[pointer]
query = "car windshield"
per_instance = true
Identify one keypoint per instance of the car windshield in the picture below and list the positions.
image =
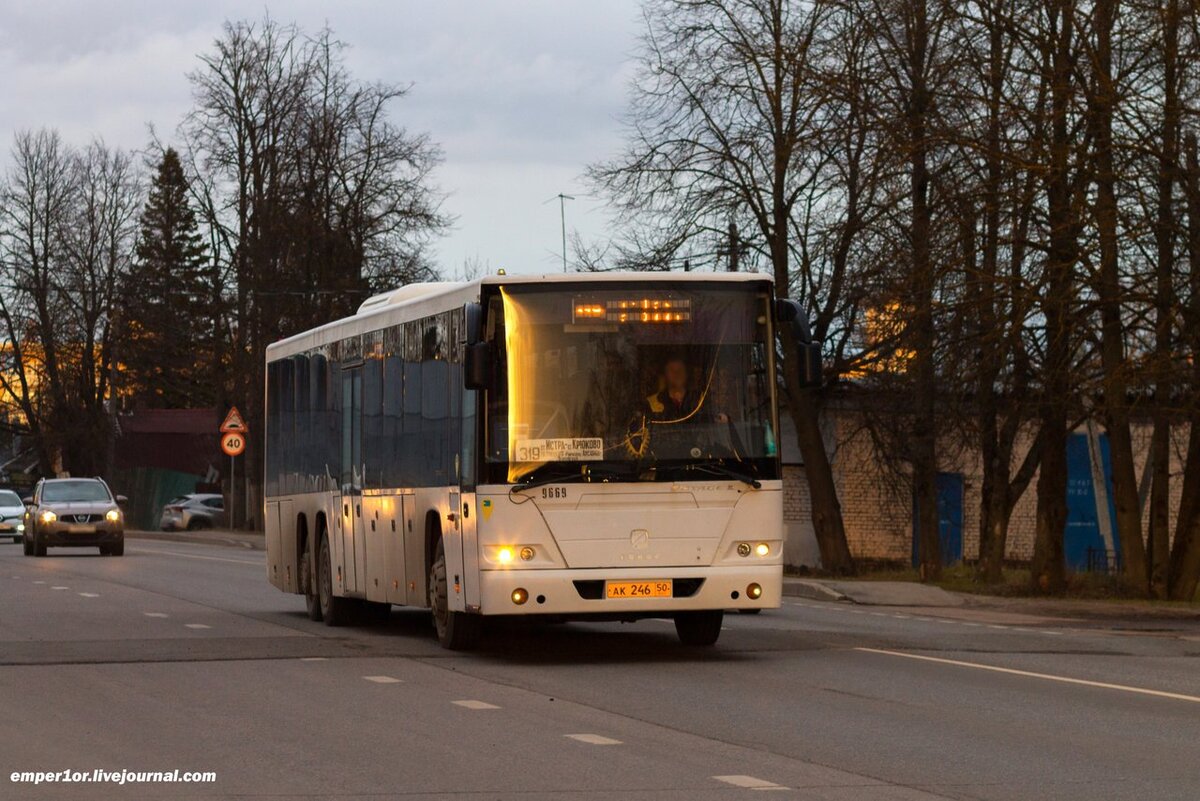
(10, 498)
(74, 492)
(649, 380)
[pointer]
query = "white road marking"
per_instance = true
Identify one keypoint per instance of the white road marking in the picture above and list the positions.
(750, 783)
(966, 623)
(902, 617)
(155, 614)
(90, 594)
(1051, 633)
(1103, 685)
(475, 705)
(593, 739)
(995, 626)
(197, 556)
(60, 588)
(197, 626)
(39, 582)
(384, 679)
(313, 659)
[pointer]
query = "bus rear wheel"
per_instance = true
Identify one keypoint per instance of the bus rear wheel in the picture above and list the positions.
(308, 582)
(335, 611)
(699, 628)
(455, 630)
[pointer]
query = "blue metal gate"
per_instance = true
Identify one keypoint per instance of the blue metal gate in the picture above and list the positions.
(950, 520)
(1084, 543)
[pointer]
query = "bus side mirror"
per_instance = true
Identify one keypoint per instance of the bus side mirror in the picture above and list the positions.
(794, 323)
(477, 365)
(474, 323)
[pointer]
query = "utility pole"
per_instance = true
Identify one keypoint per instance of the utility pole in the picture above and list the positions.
(562, 210)
(734, 247)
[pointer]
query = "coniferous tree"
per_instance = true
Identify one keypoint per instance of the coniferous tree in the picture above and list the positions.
(170, 349)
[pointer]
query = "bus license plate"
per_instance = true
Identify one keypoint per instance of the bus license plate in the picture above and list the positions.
(655, 588)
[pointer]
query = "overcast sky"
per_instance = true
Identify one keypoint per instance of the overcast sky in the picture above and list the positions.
(521, 94)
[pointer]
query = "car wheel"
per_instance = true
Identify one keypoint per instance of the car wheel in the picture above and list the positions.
(308, 583)
(196, 524)
(27, 546)
(335, 611)
(117, 548)
(104, 550)
(698, 628)
(39, 546)
(456, 631)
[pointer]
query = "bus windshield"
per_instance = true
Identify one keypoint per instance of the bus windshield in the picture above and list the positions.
(645, 381)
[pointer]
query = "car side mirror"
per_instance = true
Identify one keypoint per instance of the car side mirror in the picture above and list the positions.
(122, 500)
(477, 365)
(28, 501)
(793, 322)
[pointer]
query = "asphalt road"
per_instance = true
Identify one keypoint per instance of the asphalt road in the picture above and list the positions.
(181, 656)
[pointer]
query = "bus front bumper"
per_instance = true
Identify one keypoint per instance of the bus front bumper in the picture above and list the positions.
(584, 593)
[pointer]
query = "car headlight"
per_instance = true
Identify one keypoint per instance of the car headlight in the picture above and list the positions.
(48, 516)
(20, 526)
(113, 516)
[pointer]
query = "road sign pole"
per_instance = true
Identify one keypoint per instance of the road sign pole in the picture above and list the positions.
(232, 494)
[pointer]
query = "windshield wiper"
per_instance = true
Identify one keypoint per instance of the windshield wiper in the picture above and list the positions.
(556, 477)
(719, 468)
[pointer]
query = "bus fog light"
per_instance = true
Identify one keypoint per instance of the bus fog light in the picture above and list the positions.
(504, 556)
(526, 554)
(762, 549)
(743, 549)
(754, 592)
(519, 596)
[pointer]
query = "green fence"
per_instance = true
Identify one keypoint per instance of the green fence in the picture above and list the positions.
(148, 490)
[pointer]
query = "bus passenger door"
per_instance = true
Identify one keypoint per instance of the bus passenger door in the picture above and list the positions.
(354, 543)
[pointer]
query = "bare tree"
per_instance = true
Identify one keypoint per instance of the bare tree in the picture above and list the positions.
(720, 129)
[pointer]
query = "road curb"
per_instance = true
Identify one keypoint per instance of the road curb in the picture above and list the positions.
(252, 542)
(812, 590)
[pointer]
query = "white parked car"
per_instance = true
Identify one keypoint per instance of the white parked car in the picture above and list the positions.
(12, 515)
(193, 512)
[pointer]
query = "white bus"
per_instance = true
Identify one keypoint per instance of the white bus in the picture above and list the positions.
(588, 446)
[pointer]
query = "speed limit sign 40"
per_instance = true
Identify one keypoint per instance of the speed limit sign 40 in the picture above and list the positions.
(233, 443)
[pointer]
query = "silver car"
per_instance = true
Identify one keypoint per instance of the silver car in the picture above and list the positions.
(12, 515)
(193, 512)
(74, 513)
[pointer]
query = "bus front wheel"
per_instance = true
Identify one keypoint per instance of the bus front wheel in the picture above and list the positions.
(456, 631)
(699, 628)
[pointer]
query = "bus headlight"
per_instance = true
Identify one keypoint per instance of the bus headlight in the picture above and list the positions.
(48, 516)
(504, 555)
(762, 549)
(112, 516)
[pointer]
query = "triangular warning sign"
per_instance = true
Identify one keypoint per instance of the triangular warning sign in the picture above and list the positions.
(233, 421)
